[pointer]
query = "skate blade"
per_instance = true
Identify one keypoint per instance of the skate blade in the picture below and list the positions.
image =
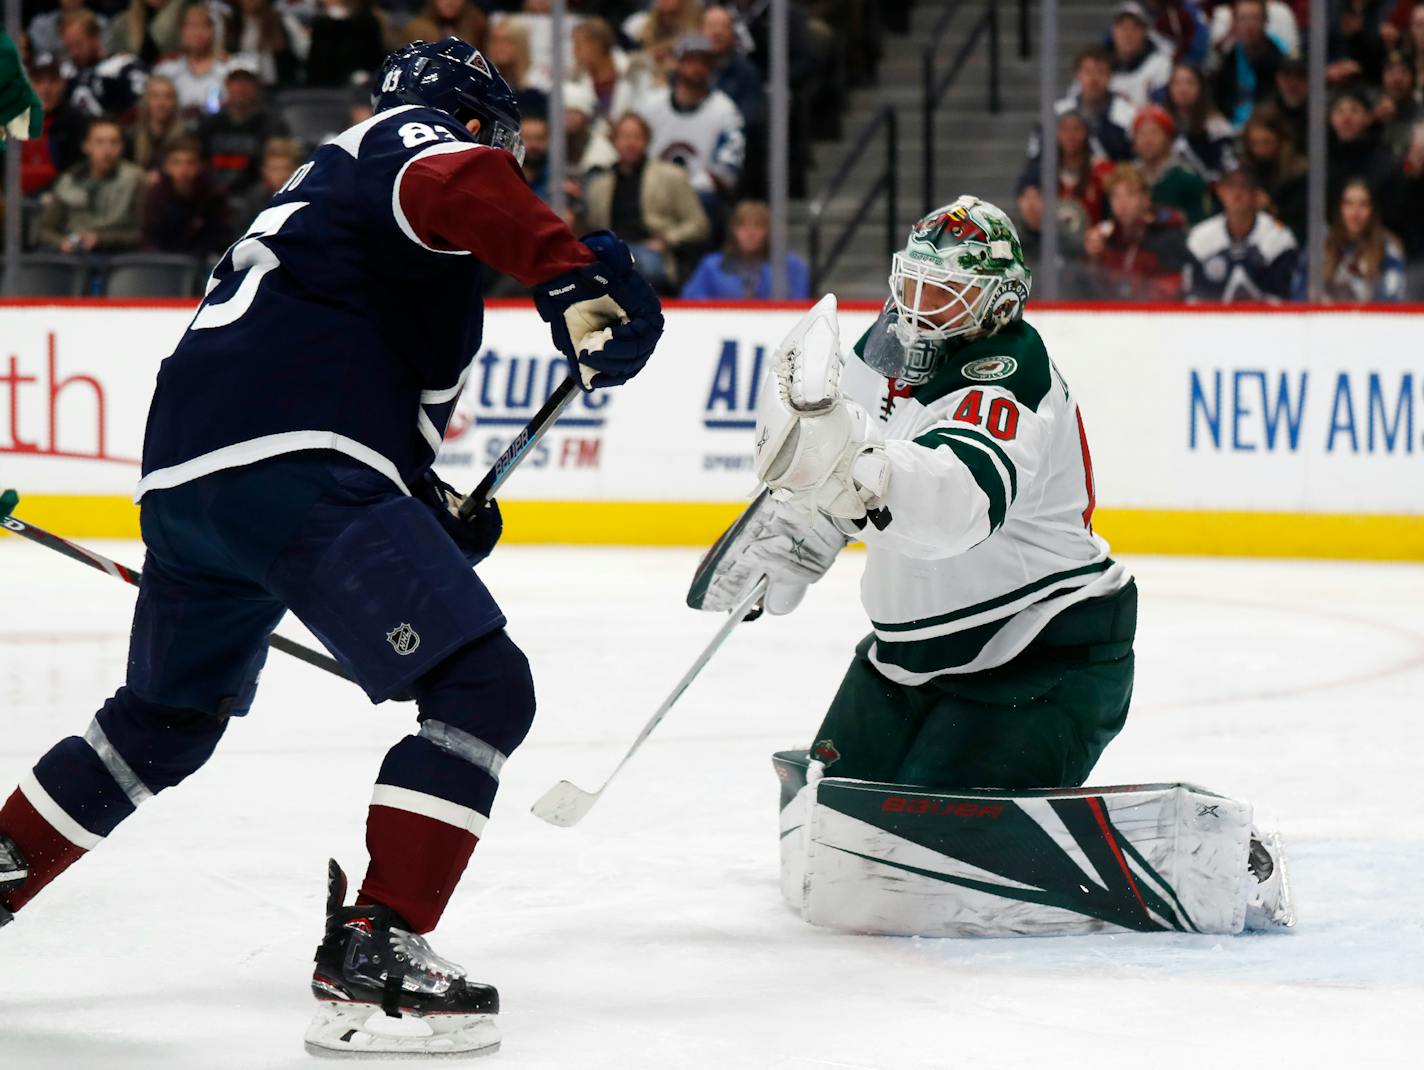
(345, 1030)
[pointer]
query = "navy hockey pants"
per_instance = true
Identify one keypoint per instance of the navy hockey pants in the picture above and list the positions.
(373, 574)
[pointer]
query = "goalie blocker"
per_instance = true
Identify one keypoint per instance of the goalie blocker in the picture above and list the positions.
(898, 860)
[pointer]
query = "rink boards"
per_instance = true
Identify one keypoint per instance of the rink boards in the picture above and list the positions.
(1296, 432)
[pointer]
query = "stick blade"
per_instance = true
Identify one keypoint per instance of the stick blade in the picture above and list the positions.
(8, 501)
(564, 805)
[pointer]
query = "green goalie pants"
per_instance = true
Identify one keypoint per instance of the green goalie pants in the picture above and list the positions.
(1042, 720)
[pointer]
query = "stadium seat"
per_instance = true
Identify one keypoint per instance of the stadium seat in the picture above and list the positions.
(48, 275)
(152, 275)
(313, 115)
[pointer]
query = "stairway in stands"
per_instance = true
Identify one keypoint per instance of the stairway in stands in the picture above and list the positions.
(976, 151)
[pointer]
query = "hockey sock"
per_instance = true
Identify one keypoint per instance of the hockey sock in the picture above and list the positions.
(435, 789)
(83, 787)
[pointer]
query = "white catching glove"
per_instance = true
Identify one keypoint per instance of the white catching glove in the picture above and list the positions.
(814, 448)
(792, 550)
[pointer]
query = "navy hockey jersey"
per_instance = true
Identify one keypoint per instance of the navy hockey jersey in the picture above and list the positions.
(349, 314)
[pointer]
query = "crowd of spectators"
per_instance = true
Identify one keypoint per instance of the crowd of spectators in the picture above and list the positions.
(169, 123)
(1182, 154)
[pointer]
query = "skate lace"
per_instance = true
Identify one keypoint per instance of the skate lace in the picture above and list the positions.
(425, 971)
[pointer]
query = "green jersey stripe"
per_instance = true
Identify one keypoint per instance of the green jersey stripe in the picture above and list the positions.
(942, 652)
(994, 603)
(979, 436)
(980, 467)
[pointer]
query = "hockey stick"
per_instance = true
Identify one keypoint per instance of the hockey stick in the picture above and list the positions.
(131, 576)
(526, 440)
(508, 461)
(566, 804)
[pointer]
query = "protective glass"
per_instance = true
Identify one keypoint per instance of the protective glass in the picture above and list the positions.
(937, 302)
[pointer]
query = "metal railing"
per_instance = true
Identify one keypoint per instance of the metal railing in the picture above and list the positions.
(934, 85)
(886, 182)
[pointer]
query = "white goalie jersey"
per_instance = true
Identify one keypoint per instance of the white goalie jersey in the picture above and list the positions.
(984, 533)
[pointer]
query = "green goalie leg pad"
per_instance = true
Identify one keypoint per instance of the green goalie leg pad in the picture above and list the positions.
(8, 501)
(903, 860)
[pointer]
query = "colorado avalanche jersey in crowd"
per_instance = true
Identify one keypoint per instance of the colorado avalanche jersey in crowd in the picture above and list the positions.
(1259, 267)
(349, 314)
(113, 86)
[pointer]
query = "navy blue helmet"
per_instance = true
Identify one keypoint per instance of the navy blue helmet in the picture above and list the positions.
(453, 77)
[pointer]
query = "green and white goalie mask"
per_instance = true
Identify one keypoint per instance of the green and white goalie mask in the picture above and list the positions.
(962, 274)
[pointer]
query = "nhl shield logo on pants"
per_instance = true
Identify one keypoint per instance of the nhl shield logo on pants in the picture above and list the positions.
(403, 639)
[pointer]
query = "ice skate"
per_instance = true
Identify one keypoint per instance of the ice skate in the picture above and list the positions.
(1271, 905)
(383, 991)
(13, 870)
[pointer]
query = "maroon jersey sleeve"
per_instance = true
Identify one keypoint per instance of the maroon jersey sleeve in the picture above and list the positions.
(475, 199)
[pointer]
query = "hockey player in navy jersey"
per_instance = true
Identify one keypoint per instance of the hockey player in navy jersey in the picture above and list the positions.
(287, 465)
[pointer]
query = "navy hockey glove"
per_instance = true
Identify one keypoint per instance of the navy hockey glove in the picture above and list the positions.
(475, 537)
(605, 318)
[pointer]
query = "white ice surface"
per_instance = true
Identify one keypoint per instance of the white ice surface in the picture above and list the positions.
(652, 935)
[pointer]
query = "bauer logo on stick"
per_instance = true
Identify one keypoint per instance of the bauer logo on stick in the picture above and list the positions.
(403, 639)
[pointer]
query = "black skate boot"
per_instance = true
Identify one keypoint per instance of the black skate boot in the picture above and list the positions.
(13, 871)
(382, 989)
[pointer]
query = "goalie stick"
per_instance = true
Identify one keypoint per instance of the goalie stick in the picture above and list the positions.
(566, 804)
(508, 461)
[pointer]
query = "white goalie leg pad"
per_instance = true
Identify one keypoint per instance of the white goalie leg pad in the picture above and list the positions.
(343, 1028)
(903, 861)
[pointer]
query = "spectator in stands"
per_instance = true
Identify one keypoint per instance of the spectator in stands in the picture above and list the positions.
(1172, 184)
(233, 138)
(1291, 100)
(1205, 141)
(199, 70)
(280, 157)
(588, 147)
(440, 19)
(1413, 46)
(1247, 62)
(648, 203)
(1363, 261)
(94, 207)
(1181, 24)
(1397, 110)
(258, 34)
(742, 271)
(658, 30)
(1139, 66)
(1108, 115)
(99, 84)
(698, 126)
(159, 123)
(1080, 171)
(733, 73)
(148, 29)
(534, 129)
(1281, 22)
(56, 150)
(43, 29)
(508, 49)
(184, 211)
(1354, 51)
(347, 43)
(1242, 254)
(1356, 151)
(611, 80)
(1281, 170)
(1137, 253)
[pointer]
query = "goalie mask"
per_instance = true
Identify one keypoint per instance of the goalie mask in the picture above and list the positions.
(962, 274)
